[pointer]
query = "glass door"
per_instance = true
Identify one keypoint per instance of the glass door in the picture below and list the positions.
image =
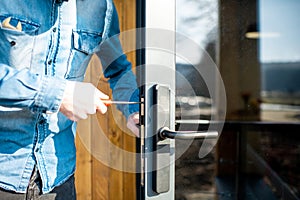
(156, 57)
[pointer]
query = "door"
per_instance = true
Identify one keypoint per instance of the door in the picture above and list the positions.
(156, 60)
(157, 79)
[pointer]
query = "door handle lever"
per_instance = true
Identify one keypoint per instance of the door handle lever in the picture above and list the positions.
(165, 133)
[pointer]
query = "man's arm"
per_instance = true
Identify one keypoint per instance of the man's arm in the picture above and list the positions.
(23, 89)
(118, 69)
(47, 94)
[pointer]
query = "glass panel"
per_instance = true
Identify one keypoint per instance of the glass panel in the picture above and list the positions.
(274, 158)
(256, 47)
(196, 27)
(280, 59)
(196, 39)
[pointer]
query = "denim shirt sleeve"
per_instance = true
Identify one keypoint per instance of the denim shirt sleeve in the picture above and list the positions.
(117, 68)
(23, 89)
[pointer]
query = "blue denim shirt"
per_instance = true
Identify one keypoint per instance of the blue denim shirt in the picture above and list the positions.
(55, 45)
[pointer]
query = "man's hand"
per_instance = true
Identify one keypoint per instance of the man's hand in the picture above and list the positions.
(132, 122)
(82, 99)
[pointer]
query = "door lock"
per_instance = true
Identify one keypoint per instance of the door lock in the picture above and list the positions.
(162, 149)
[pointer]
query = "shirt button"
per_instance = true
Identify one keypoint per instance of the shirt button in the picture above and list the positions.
(13, 43)
(54, 29)
(42, 121)
(49, 62)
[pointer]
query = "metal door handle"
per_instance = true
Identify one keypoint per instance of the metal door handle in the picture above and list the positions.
(165, 133)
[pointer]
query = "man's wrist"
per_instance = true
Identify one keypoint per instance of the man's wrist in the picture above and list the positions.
(50, 95)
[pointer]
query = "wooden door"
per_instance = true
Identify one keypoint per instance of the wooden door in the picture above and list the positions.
(94, 179)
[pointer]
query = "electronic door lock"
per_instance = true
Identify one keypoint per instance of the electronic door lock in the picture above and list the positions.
(162, 136)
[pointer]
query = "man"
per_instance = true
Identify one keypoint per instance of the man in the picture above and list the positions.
(45, 47)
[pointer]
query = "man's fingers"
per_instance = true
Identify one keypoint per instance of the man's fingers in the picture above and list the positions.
(133, 128)
(76, 116)
(136, 118)
(100, 106)
(81, 100)
(100, 95)
(79, 117)
(132, 122)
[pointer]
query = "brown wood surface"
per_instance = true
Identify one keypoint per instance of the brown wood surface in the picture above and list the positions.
(95, 179)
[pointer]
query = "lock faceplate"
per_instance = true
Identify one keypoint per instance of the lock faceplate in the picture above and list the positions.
(161, 148)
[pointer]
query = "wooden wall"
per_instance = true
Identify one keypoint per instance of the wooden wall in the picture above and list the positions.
(95, 180)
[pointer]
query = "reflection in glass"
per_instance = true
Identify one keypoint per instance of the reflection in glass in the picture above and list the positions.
(253, 158)
(196, 21)
(279, 47)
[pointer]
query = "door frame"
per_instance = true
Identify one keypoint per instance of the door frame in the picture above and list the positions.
(157, 55)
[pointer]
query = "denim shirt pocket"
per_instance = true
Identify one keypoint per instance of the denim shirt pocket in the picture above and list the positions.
(28, 27)
(16, 46)
(84, 43)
